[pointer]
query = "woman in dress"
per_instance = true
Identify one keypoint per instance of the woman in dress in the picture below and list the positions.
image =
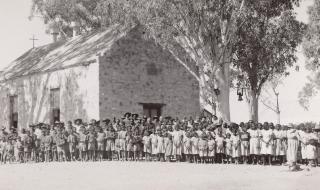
(236, 148)
(311, 146)
(278, 146)
(292, 151)
(168, 146)
(266, 144)
(160, 146)
(254, 144)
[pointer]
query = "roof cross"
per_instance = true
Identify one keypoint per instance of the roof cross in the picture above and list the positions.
(33, 41)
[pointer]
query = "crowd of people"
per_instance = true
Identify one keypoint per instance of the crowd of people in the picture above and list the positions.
(202, 140)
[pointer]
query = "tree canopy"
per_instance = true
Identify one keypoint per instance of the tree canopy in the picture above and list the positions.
(311, 50)
(266, 45)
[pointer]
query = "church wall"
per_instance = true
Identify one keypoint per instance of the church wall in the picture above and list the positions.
(136, 70)
(79, 89)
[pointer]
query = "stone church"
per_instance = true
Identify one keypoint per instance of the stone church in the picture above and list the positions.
(96, 76)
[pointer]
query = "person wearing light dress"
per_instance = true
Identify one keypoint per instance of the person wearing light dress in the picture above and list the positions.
(292, 150)
(266, 143)
(254, 143)
(311, 146)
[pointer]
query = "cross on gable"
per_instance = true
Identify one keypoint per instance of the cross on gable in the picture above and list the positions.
(33, 41)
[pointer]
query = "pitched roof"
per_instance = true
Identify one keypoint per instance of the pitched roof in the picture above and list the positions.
(63, 54)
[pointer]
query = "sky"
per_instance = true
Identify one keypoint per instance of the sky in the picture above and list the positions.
(17, 30)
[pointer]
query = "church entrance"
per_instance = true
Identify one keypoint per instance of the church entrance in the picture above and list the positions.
(151, 110)
(13, 109)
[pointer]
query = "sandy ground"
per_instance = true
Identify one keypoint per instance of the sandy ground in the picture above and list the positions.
(153, 176)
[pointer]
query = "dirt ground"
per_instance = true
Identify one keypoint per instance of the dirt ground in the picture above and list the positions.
(153, 176)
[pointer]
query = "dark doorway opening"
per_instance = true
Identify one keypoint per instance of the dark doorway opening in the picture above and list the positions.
(55, 105)
(152, 109)
(13, 111)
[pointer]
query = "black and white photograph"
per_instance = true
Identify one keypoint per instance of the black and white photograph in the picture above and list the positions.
(159, 94)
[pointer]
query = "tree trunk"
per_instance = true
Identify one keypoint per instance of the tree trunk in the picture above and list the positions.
(223, 104)
(222, 107)
(253, 106)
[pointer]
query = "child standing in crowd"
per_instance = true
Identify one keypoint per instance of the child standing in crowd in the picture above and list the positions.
(228, 148)
(203, 147)
(177, 136)
(292, 151)
(122, 142)
(101, 136)
(303, 138)
(284, 142)
(3, 145)
(129, 145)
(110, 142)
(211, 149)
(83, 139)
(136, 144)
(91, 145)
(18, 150)
(147, 146)
(220, 141)
(168, 146)
(160, 146)
(117, 145)
(194, 144)
(154, 144)
(236, 150)
(254, 143)
(72, 139)
(60, 141)
(266, 142)
(187, 146)
(27, 143)
(42, 145)
(36, 150)
(311, 146)
(48, 141)
(279, 149)
(54, 148)
(244, 143)
(9, 154)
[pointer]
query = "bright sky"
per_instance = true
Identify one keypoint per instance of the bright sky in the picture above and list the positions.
(17, 30)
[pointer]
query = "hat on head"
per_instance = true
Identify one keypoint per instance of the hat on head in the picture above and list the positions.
(92, 122)
(78, 120)
(135, 116)
(128, 114)
(106, 120)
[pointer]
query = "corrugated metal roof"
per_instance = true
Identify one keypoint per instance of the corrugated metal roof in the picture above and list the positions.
(63, 54)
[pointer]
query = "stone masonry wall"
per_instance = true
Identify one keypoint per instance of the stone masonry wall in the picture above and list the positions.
(136, 70)
(79, 95)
